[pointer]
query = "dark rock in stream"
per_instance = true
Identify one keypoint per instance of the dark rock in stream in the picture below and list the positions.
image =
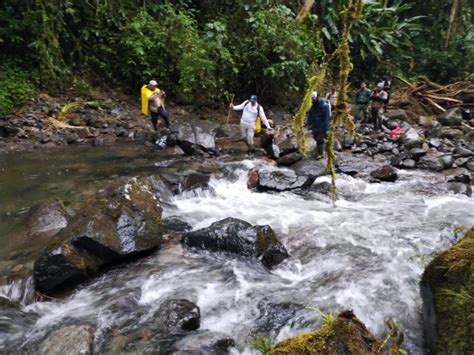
(289, 159)
(193, 182)
(447, 286)
(239, 237)
(452, 117)
(174, 224)
(74, 339)
(204, 342)
(385, 173)
(176, 315)
(121, 222)
(459, 188)
(310, 167)
(281, 180)
(46, 217)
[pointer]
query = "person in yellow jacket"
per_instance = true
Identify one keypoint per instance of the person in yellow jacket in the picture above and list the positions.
(153, 103)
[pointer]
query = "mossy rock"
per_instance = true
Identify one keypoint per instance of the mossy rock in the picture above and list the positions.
(346, 335)
(121, 222)
(447, 288)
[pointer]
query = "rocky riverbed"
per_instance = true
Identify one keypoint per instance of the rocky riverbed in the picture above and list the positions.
(198, 246)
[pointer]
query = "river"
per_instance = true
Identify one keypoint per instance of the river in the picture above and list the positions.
(366, 253)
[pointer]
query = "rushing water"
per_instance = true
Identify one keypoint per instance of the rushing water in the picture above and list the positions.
(365, 253)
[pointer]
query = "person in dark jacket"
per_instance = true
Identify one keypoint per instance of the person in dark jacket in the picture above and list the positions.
(318, 120)
(362, 103)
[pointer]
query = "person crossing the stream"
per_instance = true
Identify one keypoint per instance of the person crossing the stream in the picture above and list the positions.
(251, 112)
(318, 121)
(378, 99)
(153, 103)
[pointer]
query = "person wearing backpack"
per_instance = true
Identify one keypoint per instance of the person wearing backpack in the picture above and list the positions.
(319, 117)
(251, 111)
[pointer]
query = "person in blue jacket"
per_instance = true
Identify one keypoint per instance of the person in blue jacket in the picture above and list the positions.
(318, 121)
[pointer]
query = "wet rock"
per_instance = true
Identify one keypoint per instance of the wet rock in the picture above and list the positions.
(193, 182)
(120, 222)
(252, 178)
(74, 339)
(204, 342)
(285, 140)
(447, 315)
(177, 315)
(281, 180)
(353, 165)
(310, 167)
(411, 138)
(458, 175)
(196, 137)
(174, 224)
(408, 164)
(434, 143)
(417, 153)
(451, 133)
(173, 151)
(459, 188)
(46, 217)
(447, 161)
(13, 319)
(385, 173)
(7, 129)
(289, 159)
(346, 335)
(452, 117)
(431, 161)
(239, 237)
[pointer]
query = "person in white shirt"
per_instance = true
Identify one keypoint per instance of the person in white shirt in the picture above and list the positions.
(251, 109)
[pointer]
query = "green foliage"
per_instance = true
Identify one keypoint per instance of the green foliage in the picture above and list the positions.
(262, 344)
(328, 317)
(16, 87)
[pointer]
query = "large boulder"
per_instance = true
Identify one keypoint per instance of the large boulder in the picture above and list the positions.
(310, 167)
(285, 139)
(447, 289)
(175, 315)
(196, 137)
(289, 159)
(354, 165)
(120, 222)
(451, 133)
(282, 180)
(452, 117)
(239, 237)
(74, 339)
(46, 217)
(346, 335)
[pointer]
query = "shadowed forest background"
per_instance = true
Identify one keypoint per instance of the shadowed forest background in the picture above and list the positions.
(200, 51)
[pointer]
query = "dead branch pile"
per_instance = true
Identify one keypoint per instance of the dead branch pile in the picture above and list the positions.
(427, 97)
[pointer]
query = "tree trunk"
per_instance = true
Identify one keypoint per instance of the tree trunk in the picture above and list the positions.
(455, 7)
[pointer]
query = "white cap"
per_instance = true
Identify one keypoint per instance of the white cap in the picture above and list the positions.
(153, 83)
(314, 95)
(380, 85)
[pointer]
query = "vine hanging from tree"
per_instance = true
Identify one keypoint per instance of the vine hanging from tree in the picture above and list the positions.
(341, 115)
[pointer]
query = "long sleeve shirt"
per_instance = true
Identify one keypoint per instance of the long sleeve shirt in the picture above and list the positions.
(250, 113)
(319, 116)
(363, 96)
(378, 98)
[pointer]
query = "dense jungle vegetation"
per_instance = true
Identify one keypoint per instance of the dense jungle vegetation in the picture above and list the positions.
(202, 50)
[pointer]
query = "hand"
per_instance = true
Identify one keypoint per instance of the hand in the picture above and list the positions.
(269, 129)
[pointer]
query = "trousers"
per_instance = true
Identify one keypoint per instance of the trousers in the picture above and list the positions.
(247, 131)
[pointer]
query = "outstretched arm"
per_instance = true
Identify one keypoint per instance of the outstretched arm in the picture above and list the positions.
(241, 106)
